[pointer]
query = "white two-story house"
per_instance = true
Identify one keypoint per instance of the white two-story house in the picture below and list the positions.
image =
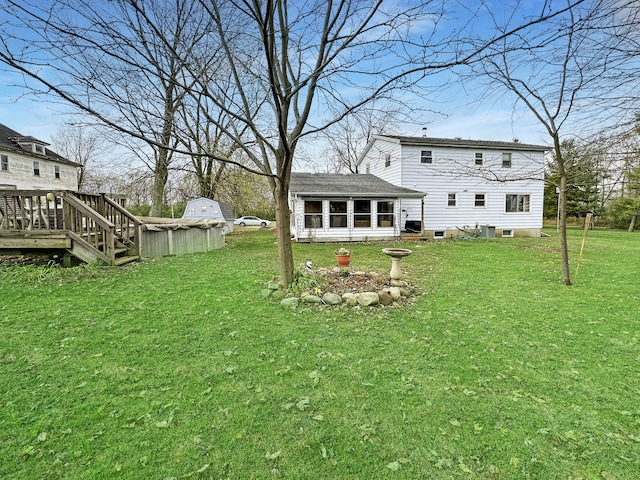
(497, 186)
(27, 164)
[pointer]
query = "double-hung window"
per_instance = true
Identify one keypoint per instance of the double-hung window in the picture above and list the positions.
(56, 171)
(36, 168)
(480, 200)
(479, 159)
(452, 199)
(385, 214)
(426, 156)
(362, 213)
(338, 214)
(506, 160)
(517, 203)
(313, 214)
(4, 163)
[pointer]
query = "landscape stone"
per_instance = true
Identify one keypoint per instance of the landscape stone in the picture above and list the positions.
(350, 299)
(395, 292)
(331, 298)
(385, 298)
(311, 299)
(290, 302)
(368, 298)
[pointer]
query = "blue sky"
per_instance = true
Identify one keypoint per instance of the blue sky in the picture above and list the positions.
(467, 113)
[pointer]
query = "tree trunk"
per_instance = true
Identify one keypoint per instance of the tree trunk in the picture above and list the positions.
(160, 175)
(632, 224)
(283, 219)
(562, 216)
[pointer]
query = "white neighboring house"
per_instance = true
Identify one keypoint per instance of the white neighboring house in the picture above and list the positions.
(27, 164)
(330, 207)
(466, 182)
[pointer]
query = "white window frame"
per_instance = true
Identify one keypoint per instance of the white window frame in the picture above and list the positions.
(426, 157)
(336, 214)
(507, 233)
(36, 168)
(476, 198)
(311, 216)
(507, 160)
(478, 159)
(56, 172)
(387, 160)
(4, 163)
(439, 234)
(455, 200)
(386, 216)
(522, 200)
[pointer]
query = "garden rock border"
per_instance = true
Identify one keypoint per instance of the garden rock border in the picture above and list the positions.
(360, 292)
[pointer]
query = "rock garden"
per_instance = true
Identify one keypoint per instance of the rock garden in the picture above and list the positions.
(341, 286)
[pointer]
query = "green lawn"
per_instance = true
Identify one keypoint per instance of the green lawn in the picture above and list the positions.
(177, 368)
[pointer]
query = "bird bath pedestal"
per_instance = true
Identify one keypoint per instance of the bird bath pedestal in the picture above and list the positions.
(396, 255)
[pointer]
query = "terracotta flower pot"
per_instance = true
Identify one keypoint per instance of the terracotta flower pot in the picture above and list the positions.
(343, 260)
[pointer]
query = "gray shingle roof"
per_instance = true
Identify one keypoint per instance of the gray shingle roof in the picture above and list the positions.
(8, 142)
(459, 142)
(327, 184)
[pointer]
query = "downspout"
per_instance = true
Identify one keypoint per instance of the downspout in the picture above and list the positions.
(422, 217)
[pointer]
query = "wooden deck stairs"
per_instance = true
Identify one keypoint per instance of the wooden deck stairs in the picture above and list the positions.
(89, 228)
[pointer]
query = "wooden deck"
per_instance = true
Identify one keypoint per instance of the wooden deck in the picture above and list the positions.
(87, 227)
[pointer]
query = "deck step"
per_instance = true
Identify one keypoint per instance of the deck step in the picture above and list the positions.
(126, 259)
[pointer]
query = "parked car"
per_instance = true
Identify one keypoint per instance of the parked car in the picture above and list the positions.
(249, 221)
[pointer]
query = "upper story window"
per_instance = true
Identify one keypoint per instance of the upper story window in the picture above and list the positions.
(479, 159)
(36, 168)
(38, 149)
(452, 200)
(480, 200)
(426, 156)
(506, 160)
(56, 172)
(4, 163)
(387, 160)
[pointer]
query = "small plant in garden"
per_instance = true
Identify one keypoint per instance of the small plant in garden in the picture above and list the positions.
(342, 251)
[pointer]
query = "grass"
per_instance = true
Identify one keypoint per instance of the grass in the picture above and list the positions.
(177, 368)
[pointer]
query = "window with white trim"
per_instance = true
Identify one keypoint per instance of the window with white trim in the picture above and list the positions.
(385, 213)
(36, 168)
(338, 214)
(479, 159)
(480, 200)
(506, 160)
(516, 203)
(507, 233)
(313, 214)
(452, 199)
(426, 156)
(56, 172)
(362, 213)
(387, 160)
(4, 163)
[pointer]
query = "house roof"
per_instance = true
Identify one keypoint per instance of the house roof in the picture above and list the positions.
(10, 141)
(460, 142)
(335, 184)
(225, 209)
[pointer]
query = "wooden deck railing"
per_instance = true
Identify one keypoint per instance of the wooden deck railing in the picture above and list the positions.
(98, 220)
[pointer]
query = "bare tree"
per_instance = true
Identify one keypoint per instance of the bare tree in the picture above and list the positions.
(556, 72)
(289, 69)
(80, 145)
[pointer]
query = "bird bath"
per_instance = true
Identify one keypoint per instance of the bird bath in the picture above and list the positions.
(396, 255)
